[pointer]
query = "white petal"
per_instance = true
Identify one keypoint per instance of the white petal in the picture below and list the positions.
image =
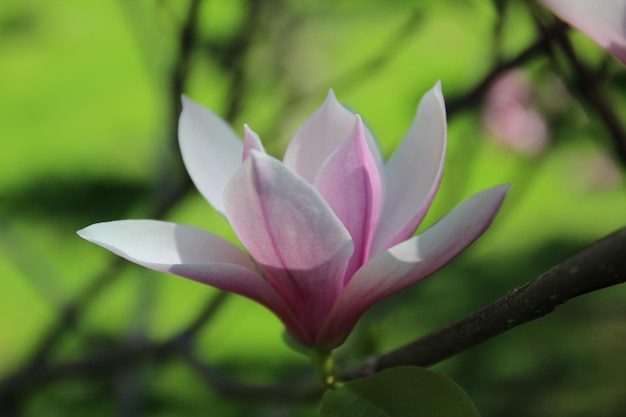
(194, 254)
(413, 173)
(159, 245)
(210, 149)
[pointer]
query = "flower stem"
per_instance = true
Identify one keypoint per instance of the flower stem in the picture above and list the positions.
(324, 367)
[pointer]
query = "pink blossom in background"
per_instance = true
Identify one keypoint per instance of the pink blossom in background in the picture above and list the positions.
(604, 21)
(328, 230)
(511, 117)
(594, 172)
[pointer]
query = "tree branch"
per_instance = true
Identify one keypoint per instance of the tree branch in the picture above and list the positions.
(72, 311)
(470, 98)
(303, 389)
(108, 360)
(589, 87)
(601, 265)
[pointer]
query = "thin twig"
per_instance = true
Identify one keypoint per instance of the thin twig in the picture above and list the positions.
(589, 87)
(470, 98)
(109, 361)
(306, 389)
(115, 359)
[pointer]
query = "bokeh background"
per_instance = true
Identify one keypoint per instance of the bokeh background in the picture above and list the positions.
(89, 100)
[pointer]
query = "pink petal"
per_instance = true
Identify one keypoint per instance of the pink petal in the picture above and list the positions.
(292, 234)
(350, 182)
(410, 262)
(195, 254)
(251, 142)
(602, 21)
(413, 173)
(210, 149)
(320, 136)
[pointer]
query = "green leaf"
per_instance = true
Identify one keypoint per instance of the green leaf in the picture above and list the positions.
(399, 392)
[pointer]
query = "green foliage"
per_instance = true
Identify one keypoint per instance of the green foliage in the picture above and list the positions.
(399, 392)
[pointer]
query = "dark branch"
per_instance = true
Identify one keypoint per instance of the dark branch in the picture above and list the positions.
(181, 345)
(70, 313)
(112, 359)
(590, 89)
(474, 96)
(304, 389)
(599, 266)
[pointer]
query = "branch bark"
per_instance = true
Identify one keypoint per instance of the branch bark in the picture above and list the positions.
(601, 265)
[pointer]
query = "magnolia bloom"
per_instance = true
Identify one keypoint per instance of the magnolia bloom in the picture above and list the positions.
(601, 20)
(511, 117)
(328, 229)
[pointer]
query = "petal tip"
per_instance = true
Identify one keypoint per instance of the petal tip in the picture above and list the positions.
(331, 99)
(247, 130)
(359, 127)
(497, 193)
(438, 92)
(186, 101)
(503, 188)
(87, 232)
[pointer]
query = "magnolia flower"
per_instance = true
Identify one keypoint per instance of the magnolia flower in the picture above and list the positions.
(328, 229)
(511, 117)
(601, 20)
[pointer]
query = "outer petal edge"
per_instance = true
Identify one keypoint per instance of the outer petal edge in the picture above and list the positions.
(413, 173)
(210, 149)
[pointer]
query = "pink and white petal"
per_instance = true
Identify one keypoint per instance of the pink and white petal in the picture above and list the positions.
(320, 135)
(194, 254)
(413, 173)
(210, 149)
(410, 262)
(350, 182)
(602, 21)
(162, 244)
(292, 234)
(251, 142)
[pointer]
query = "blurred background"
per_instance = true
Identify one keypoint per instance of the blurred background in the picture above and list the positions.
(89, 101)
